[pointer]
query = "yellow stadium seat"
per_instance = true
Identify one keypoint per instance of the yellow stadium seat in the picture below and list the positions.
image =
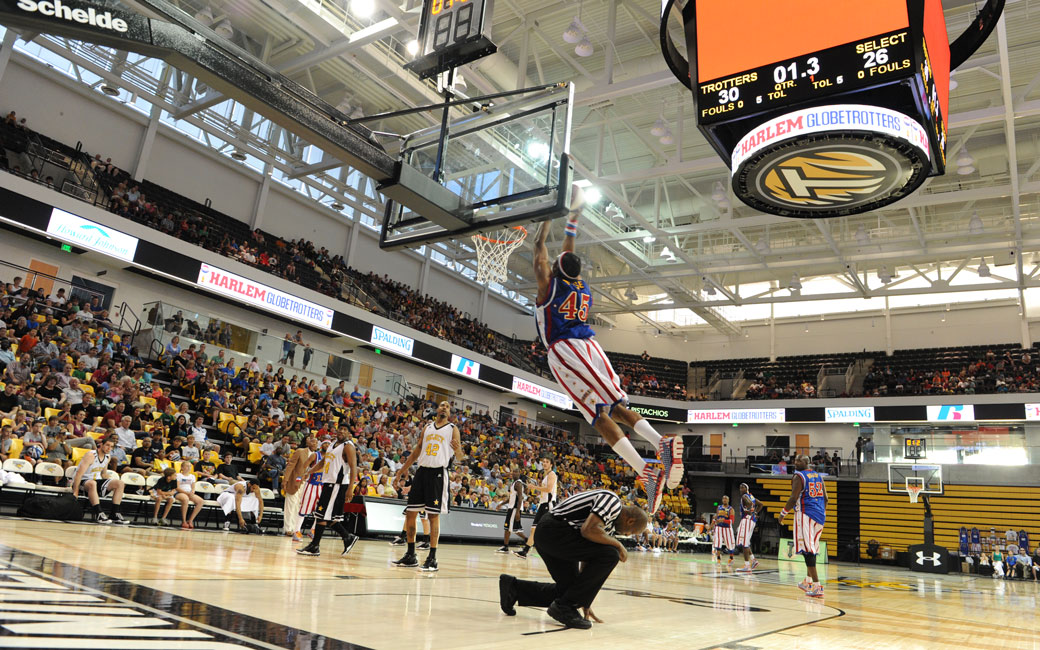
(16, 448)
(7, 422)
(48, 412)
(38, 318)
(150, 401)
(87, 388)
(95, 434)
(254, 452)
(78, 453)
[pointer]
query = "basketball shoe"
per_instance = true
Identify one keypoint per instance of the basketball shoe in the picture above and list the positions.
(815, 591)
(669, 452)
(398, 541)
(408, 561)
(805, 585)
(310, 550)
(348, 543)
(423, 546)
(653, 483)
(429, 566)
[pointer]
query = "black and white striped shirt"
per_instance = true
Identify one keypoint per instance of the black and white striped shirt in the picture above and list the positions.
(576, 509)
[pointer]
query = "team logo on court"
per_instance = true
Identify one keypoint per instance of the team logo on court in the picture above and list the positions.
(934, 558)
(830, 161)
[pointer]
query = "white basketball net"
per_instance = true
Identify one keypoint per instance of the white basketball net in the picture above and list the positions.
(914, 489)
(493, 251)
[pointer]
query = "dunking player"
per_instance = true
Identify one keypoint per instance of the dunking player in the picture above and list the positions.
(809, 501)
(749, 507)
(440, 441)
(722, 530)
(582, 368)
(339, 475)
(514, 507)
(546, 500)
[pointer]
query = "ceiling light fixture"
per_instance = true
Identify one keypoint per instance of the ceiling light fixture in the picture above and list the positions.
(337, 206)
(667, 138)
(412, 47)
(205, 16)
(884, 275)
(584, 48)
(665, 252)
(612, 212)
(710, 290)
(238, 155)
(110, 90)
(649, 239)
(718, 192)
(795, 284)
(225, 29)
(362, 8)
(975, 225)
(573, 32)
(762, 245)
(983, 271)
(659, 127)
(861, 236)
(593, 195)
(964, 158)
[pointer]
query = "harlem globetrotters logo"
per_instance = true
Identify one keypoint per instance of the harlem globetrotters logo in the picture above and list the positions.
(830, 161)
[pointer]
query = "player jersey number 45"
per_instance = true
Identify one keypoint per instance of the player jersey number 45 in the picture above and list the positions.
(563, 313)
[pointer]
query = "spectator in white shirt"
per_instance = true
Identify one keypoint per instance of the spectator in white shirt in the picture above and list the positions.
(73, 394)
(127, 437)
(267, 448)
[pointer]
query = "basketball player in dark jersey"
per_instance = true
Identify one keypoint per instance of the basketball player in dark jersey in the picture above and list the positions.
(581, 366)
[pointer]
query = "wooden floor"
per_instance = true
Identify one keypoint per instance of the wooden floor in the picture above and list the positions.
(250, 591)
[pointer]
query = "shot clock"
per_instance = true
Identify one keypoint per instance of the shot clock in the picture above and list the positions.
(452, 33)
(914, 448)
(820, 108)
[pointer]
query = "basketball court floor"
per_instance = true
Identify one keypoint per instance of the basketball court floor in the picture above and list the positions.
(82, 585)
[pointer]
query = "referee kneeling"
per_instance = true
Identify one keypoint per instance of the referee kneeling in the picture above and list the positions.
(575, 540)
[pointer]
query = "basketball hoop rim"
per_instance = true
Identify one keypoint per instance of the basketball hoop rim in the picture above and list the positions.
(508, 242)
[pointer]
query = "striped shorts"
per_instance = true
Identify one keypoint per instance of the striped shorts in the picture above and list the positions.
(310, 499)
(583, 370)
(807, 534)
(745, 530)
(723, 537)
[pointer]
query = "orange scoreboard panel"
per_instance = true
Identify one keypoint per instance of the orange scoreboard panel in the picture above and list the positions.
(757, 55)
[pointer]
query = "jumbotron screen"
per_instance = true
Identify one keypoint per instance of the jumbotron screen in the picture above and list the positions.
(754, 55)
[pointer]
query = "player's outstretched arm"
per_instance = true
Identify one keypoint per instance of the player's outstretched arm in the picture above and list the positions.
(577, 201)
(542, 272)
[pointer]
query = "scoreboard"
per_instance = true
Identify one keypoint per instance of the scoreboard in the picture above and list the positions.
(760, 66)
(760, 70)
(914, 448)
(452, 33)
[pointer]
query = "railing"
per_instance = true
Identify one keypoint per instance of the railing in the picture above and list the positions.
(31, 278)
(955, 454)
(126, 313)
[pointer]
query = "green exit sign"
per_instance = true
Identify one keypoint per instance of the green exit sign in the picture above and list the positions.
(66, 248)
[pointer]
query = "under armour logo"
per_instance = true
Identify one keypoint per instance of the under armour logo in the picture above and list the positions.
(933, 558)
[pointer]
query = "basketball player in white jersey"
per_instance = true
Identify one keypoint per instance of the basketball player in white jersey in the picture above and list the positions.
(244, 502)
(91, 474)
(514, 506)
(440, 441)
(339, 476)
(546, 491)
(581, 367)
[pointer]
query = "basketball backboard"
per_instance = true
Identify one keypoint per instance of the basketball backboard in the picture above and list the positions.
(928, 476)
(505, 164)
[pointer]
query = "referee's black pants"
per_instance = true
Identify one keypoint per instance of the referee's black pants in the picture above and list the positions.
(562, 548)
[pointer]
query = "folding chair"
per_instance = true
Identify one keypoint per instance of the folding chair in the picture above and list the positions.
(24, 468)
(52, 470)
(133, 480)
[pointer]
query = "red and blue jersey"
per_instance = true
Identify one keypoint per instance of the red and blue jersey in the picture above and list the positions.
(315, 478)
(811, 502)
(564, 312)
(724, 516)
(749, 511)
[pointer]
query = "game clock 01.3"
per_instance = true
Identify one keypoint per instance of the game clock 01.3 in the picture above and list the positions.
(873, 61)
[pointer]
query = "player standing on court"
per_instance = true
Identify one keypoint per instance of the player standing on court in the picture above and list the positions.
(722, 526)
(339, 476)
(581, 367)
(749, 507)
(514, 507)
(440, 441)
(546, 499)
(809, 501)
